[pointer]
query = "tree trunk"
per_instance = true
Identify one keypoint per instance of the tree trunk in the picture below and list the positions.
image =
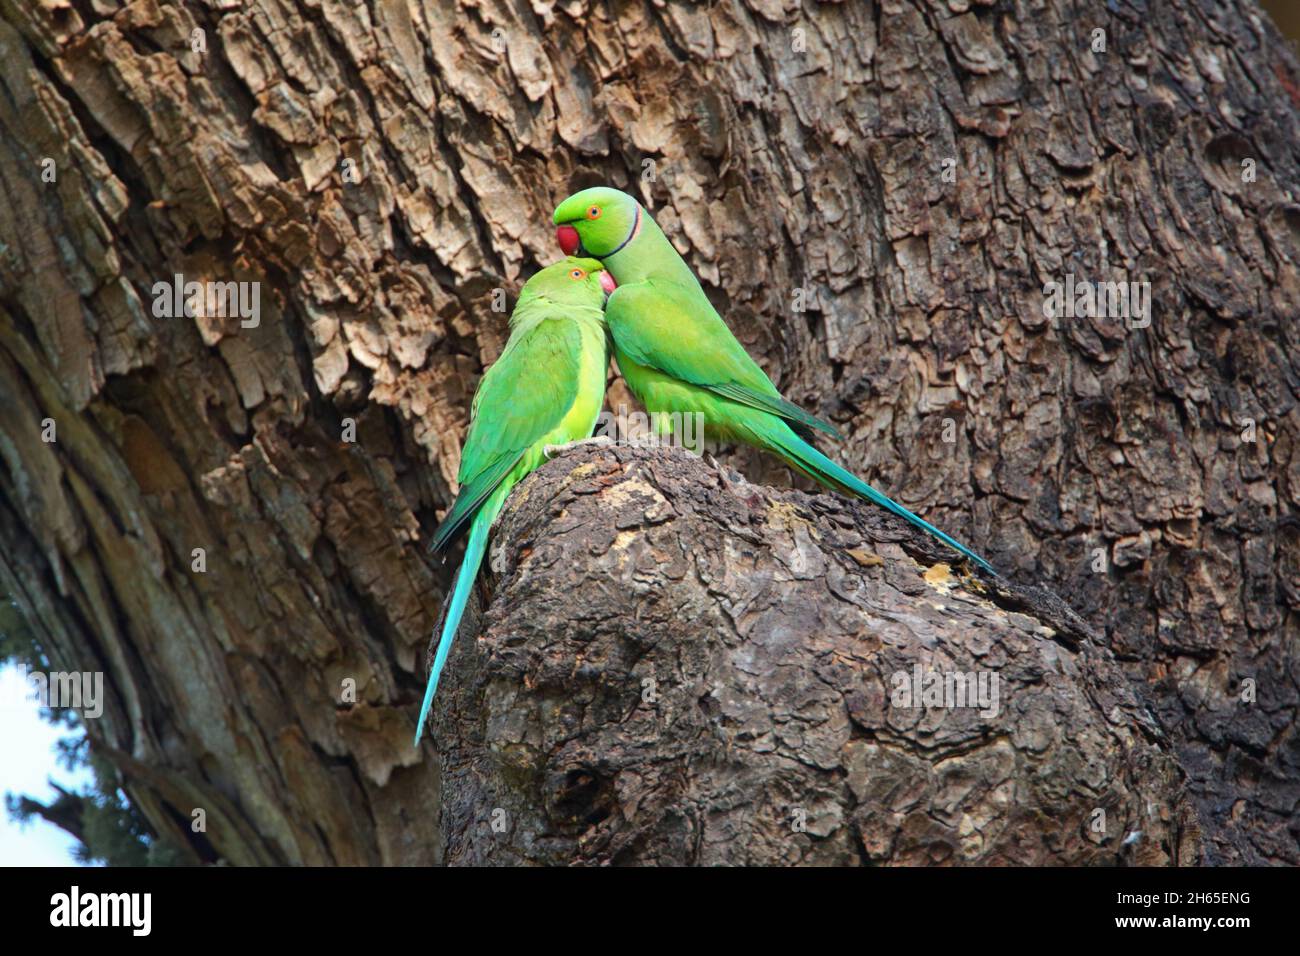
(876, 195)
(682, 668)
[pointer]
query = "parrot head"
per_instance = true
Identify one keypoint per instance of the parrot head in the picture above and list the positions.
(597, 222)
(571, 281)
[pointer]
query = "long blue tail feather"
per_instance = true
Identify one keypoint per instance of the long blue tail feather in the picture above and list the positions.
(475, 548)
(809, 460)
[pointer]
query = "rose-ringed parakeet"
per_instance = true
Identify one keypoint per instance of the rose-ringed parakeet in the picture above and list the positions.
(677, 354)
(547, 388)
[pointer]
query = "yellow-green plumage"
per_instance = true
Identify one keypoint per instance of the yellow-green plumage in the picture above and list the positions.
(547, 388)
(678, 356)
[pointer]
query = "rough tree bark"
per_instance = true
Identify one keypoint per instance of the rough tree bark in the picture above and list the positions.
(682, 668)
(380, 168)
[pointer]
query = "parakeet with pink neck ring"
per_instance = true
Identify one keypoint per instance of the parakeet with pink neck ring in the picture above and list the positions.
(678, 355)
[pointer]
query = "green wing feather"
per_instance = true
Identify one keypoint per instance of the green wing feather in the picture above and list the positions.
(471, 498)
(654, 323)
(507, 418)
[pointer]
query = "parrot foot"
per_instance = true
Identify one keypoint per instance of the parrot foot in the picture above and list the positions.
(550, 451)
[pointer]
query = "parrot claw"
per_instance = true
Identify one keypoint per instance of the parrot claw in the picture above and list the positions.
(550, 451)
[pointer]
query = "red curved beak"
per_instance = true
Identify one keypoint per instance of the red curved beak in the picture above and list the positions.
(607, 283)
(568, 239)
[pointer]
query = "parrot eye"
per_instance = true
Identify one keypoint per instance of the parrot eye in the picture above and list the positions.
(593, 212)
(578, 274)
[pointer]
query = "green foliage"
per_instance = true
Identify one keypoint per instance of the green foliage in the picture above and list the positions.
(116, 834)
(110, 828)
(17, 641)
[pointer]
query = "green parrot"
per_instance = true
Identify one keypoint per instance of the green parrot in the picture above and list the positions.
(546, 389)
(677, 354)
